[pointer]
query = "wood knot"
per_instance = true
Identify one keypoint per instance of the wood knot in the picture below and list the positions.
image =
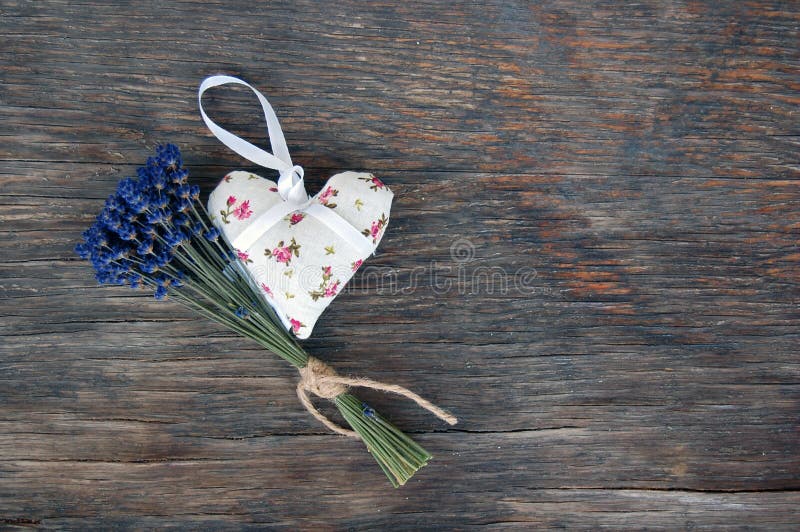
(320, 379)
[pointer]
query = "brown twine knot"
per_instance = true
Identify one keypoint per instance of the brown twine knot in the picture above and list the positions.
(315, 378)
(322, 380)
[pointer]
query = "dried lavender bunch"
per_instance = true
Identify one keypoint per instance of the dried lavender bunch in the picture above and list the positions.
(154, 233)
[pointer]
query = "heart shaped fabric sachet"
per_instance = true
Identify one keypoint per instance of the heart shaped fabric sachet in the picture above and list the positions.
(300, 263)
(300, 251)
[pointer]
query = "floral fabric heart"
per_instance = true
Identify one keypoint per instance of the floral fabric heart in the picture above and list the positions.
(299, 260)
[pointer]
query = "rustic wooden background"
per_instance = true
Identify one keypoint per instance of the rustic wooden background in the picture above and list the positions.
(618, 183)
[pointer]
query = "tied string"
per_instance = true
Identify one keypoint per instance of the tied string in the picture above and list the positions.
(322, 380)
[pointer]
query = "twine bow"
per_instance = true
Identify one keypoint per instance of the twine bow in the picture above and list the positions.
(322, 380)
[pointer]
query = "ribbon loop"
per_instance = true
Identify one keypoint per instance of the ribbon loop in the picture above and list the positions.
(291, 186)
(290, 182)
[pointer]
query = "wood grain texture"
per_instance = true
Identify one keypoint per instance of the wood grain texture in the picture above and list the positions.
(619, 339)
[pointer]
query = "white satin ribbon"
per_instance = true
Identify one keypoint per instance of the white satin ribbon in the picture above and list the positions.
(341, 227)
(290, 182)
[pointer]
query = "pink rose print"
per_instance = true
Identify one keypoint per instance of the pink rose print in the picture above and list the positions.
(283, 253)
(331, 290)
(266, 289)
(326, 287)
(375, 182)
(375, 229)
(356, 265)
(296, 218)
(296, 325)
(243, 256)
(242, 212)
(326, 196)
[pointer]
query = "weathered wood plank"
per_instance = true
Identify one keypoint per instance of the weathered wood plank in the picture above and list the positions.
(620, 345)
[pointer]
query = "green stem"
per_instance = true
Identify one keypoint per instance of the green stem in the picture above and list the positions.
(398, 455)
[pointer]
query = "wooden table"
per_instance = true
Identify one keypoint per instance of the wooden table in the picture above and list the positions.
(592, 261)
